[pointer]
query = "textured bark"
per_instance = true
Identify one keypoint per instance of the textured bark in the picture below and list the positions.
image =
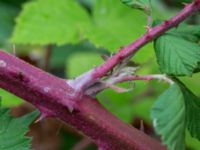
(53, 97)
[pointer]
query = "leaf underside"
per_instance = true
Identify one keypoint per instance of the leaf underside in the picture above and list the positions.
(50, 22)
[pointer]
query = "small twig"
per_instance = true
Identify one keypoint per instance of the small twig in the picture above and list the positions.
(144, 77)
(109, 83)
(155, 32)
(93, 76)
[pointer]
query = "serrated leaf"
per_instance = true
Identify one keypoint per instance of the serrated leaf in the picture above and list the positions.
(188, 32)
(177, 56)
(12, 130)
(143, 5)
(50, 21)
(116, 26)
(168, 115)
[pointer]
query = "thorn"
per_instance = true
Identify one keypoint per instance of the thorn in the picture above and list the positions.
(148, 28)
(185, 4)
(104, 57)
(42, 116)
(70, 108)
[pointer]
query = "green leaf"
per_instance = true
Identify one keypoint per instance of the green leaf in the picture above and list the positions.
(12, 130)
(192, 112)
(9, 100)
(191, 142)
(177, 56)
(113, 27)
(168, 115)
(7, 15)
(188, 32)
(83, 61)
(176, 109)
(49, 21)
(143, 5)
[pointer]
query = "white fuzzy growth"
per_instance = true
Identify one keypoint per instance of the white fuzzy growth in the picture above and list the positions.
(2, 63)
(163, 77)
(46, 89)
(81, 82)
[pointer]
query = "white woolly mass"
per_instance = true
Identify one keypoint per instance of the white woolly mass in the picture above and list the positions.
(2, 63)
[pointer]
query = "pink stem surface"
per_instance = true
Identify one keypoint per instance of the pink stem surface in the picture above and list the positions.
(55, 98)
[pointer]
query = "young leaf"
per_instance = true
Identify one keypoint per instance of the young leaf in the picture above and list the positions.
(143, 5)
(168, 115)
(50, 21)
(12, 130)
(177, 56)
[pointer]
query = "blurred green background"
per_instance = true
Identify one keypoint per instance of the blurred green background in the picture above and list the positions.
(67, 38)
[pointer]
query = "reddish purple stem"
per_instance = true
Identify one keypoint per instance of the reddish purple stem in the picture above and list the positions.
(55, 97)
(155, 32)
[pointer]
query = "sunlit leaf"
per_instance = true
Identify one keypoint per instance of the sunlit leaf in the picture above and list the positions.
(49, 21)
(114, 25)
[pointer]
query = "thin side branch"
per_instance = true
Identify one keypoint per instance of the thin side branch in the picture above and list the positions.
(155, 32)
(109, 83)
(144, 77)
(130, 50)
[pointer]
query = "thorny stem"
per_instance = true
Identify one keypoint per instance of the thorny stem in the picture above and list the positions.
(55, 97)
(131, 49)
